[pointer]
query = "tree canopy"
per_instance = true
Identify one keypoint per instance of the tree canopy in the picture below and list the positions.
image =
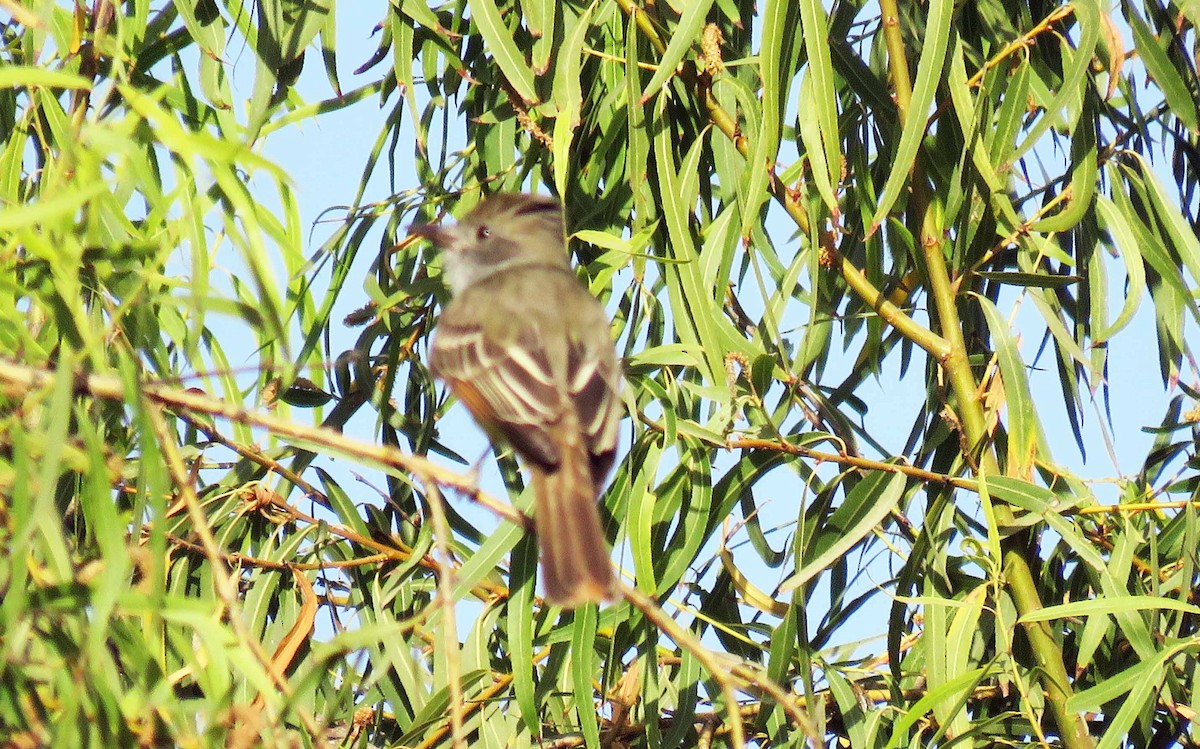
(865, 264)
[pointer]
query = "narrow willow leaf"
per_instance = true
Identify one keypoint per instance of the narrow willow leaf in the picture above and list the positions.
(1150, 244)
(863, 81)
(1118, 731)
(41, 525)
(819, 78)
(719, 248)
(1117, 685)
(640, 521)
(541, 16)
(329, 51)
(961, 639)
(523, 571)
(824, 172)
(262, 95)
(504, 49)
(51, 210)
(499, 728)
(1096, 630)
(805, 259)
(695, 484)
(969, 121)
(403, 47)
(1152, 53)
(1096, 606)
(780, 663)
(483, 562)
(1090, 25)
(1114, 582)
(1046, 304)
(667, 355)
(347, 513)
(665, 396)
(1183, 238)
(935, 637)
(846, 695)
(776, 62)
(1029, 280)
(1084, 173)
(1025, 440)
(637, 135)
(1001, 138)
(678, 229)
(21, 76)
(105, 521)
(651, 693)
(952, 690)
(290, 26)
(929, 71)
(1049, 507)
(583, 638)
(867, 504)
(568, 98)
(694, 305)
(1118, 226)
(685, 34)
(436, 710)
(687, 682)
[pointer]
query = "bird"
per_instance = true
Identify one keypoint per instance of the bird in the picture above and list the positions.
(527, 349)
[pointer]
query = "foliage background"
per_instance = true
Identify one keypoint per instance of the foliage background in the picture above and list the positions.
(761, 196)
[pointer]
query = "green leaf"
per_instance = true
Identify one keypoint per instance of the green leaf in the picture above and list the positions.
(568, 98)
(929, 70)
(1180, 101)
(542, 18)
(777, 63)
(870, 501)
(1049, 507)
(583, 635)
(819, 83)
(683, 36)
(1025, 439)
(505, 51)
(951, 690)
(693, 480)
(1096, 606)
(523, 571)
(1029, 280)
(50, 210)
(640, 520)
(1118, 226)
(1183, 238)
(21, 76)
(1117, 685)
(1078, 60)
(1084, 173)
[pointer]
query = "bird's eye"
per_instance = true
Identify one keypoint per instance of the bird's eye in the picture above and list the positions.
(483, 233)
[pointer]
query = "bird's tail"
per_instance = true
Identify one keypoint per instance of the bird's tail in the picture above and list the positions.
(576, 566)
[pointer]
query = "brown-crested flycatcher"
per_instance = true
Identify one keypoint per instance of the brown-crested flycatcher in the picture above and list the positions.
(527, 349)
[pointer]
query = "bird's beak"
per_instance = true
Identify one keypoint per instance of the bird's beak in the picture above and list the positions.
(436, 233)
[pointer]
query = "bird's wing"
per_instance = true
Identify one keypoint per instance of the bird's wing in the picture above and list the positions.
(593, 384)
(506, 381)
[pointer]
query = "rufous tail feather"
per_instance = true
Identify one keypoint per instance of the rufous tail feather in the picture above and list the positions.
(576, 567)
